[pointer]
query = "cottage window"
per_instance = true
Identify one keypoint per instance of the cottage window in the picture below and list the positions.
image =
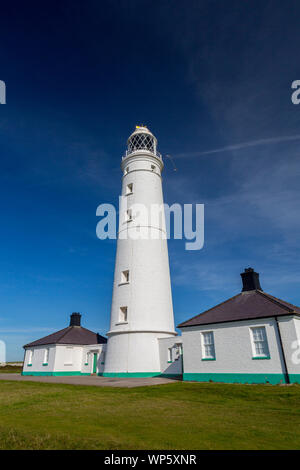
(87, 355)
(259, 342)
(208, 345)
(30, 356)
(68, 356)
(46, 356)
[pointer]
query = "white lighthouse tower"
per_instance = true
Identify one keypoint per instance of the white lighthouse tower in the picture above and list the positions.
(142, 310)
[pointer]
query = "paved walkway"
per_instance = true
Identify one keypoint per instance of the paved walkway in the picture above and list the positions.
(90, 380)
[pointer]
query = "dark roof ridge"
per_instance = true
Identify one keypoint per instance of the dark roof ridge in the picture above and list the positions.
(208, 310)
(278, 301)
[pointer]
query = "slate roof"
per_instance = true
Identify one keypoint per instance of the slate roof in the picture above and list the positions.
(244, 306)
(70, 335)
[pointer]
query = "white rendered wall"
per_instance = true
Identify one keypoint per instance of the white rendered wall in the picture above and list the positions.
(38, 359)
(168, 367)
(290, 333)
(132, 346)
(58, 362)
(61, 362)
(99, 349)
(233, 348)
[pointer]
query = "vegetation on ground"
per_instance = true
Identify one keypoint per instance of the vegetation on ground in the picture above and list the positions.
(10, 369)
(172, 416)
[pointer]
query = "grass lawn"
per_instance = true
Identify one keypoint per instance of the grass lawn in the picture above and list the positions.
(173, 416)
(10, 369)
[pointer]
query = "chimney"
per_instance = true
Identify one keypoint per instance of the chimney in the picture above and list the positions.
(250, 280)
(75, 319)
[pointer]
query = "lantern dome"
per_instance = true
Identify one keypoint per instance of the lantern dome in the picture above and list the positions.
(142, 139)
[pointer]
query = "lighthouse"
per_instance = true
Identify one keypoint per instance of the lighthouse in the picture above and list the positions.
(142, 310)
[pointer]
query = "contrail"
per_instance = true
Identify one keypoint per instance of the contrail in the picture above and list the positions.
(253, 143)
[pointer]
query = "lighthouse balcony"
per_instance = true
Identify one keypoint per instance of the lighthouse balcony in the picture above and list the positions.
(152, 153)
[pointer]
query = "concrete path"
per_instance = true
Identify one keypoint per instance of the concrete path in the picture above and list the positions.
(89, 380)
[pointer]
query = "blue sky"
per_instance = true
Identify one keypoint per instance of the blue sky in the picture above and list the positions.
(212, 80)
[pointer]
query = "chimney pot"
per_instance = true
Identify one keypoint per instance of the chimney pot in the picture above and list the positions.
(75, 319)
(250, 280)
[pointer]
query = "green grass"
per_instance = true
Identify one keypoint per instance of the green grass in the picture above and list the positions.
(10, 369)
(173, 416)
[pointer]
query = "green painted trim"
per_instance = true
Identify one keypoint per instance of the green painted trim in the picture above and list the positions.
(131, 374)
(29, 365)
(257, 358)
(100, 374)
(208, 359)
(235, 378)
(171, 376)
(45, 363)
(86, 363)
(169, 362)
(294, 378)
(56, 374)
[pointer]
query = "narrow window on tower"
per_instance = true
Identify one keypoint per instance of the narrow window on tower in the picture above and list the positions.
(153, 167)
(123, 314)
(129, 215)
(126, 170)
(125, 277)
(129, 189)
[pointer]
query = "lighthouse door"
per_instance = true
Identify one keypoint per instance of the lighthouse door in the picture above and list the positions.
(95, 363)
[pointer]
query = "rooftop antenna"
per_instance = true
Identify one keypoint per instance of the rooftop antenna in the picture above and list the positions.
(173, 163)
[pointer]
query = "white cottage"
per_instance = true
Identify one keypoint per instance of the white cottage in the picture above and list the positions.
(252, 337)
(71, 351)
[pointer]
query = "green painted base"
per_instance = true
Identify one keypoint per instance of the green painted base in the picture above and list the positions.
(138, 374)
(294, 378)
(236, 378)
(55, 373)
(131, 374)
(171, 376)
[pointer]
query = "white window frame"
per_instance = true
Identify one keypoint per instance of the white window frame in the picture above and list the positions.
(123, 314)
(69, 363)
(30, 357)
(125, 277)
(129, 189)
(128, 215)
(211, 344)
(259, 342)
(46, 356)
(170, 354)
(87, 357)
